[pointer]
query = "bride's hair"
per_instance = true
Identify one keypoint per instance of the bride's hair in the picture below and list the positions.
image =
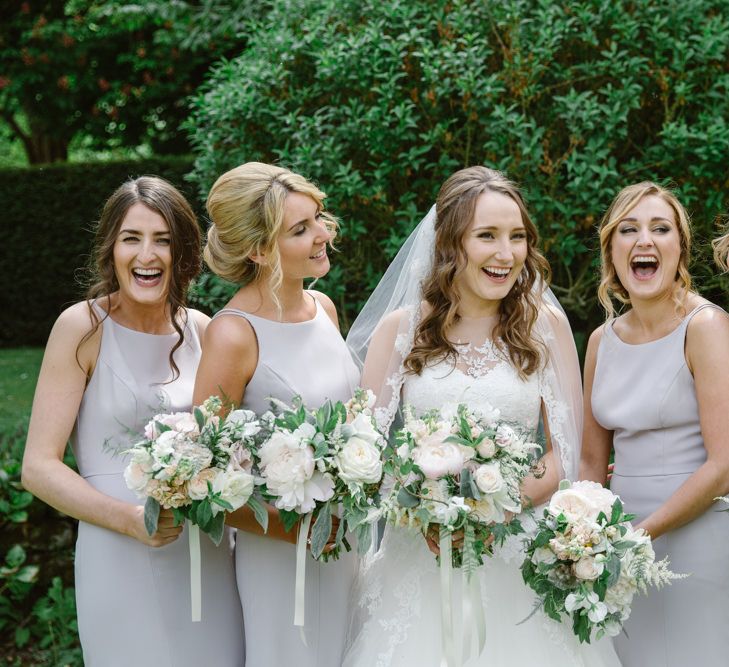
(518, 311)
(625, 201)
(246, 208)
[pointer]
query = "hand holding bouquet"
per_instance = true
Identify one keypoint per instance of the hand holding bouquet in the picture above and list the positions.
(587, 561)
(197, 464)
(314, 461)
(460, 469)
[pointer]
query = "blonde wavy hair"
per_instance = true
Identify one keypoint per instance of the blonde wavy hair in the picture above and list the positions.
(246, 210)
(610, 286)
(721, 250)
(455, 210)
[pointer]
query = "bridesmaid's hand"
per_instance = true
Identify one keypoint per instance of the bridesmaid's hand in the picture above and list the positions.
(167, 531)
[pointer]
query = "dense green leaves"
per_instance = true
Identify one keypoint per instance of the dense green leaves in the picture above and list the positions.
(380, 101)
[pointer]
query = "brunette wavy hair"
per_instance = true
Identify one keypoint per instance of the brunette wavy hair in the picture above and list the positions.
(185, 239)
(455, 210)
(610, 286)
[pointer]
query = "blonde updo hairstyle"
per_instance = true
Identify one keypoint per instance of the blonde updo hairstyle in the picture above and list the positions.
(246, 209)
(610, 286)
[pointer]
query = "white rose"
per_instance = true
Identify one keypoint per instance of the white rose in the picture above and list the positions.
(437, 458)
(485, 509)
(432, 490)
(144, 460)
(359, 462)
(363, 428)
(136, 479)
(182, 422)
(486, 448)
(197, 487)
(587, 568)
(544, 555)
(234, 486)
(241, 416)
(573, 504)
(488, 478)
(600, 497)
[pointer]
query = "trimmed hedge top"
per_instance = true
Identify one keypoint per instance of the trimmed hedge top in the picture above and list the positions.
(48, 216)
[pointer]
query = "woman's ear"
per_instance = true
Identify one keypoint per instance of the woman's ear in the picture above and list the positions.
(258, 258)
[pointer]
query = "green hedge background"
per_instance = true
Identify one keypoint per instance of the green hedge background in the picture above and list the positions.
(47, 218)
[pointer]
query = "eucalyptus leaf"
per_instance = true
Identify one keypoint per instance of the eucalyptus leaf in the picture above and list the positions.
(217, 528)
(199, 417)
(259, 511)
(407, 499)
(151, 515)
(321, 530)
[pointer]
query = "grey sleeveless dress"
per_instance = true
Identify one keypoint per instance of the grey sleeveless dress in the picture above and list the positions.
(309, 359)
(646, 394)
(134, 601)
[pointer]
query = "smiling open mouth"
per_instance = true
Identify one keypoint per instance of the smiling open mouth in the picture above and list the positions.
(320, 254)
(147, 276)
(497, 273)
(644, 266)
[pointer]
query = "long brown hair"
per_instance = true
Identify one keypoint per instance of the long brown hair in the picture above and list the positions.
(164, 199)
(610, 286)
(518, 311)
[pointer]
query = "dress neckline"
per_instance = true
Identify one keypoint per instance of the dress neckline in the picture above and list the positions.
(678, 327)
(317, 306)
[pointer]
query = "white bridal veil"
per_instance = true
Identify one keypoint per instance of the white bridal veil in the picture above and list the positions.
(384, 331)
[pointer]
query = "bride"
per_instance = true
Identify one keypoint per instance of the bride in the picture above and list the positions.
(462, 316)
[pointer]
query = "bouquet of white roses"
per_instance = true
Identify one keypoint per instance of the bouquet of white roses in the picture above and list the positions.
(198, 465)
(314, 461)
(461, 469)
(586, 561)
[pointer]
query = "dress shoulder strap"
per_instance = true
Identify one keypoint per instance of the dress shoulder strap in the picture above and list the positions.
(231, 311)
(700, 307)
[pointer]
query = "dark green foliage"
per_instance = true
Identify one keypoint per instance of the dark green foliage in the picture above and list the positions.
(381, 101)
(47, 218)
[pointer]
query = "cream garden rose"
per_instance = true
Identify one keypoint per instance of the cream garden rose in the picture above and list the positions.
(437, 458)
(359, 461)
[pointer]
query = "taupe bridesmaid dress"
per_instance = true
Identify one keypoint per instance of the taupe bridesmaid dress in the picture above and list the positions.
(134, 601)
(309, 359)
(646, 395)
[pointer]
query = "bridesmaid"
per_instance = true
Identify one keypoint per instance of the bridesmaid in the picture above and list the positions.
(130, 350)
(657, 390)
(274, 339)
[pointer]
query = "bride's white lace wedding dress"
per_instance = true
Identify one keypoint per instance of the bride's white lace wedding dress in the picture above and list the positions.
(397, 599)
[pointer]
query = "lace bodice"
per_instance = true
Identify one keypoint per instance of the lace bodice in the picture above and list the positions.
(481, 376)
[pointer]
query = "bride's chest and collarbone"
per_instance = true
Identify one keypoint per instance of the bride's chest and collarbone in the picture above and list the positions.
(481, 374)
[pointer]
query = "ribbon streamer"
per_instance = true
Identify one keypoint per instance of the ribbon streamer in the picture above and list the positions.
(448, 653)
(474, 621)
(195, 577)
(300, 599)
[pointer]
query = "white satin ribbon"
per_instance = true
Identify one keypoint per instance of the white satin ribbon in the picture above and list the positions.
(448, 652)
(474, 621)
(195, 577)
(300, 592)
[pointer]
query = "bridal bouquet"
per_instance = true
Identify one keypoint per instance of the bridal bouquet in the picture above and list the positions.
(314, 461)
(587, 561)
(461, 469)
(198, 465)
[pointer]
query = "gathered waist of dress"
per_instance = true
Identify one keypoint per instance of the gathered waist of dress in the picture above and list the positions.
(621, 472)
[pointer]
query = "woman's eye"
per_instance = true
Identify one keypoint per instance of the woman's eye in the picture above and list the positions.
(485, 235)
(626, 230)
(662, 229)
(299, 231)
(164, 241)
(128, 239)
(519, 236)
